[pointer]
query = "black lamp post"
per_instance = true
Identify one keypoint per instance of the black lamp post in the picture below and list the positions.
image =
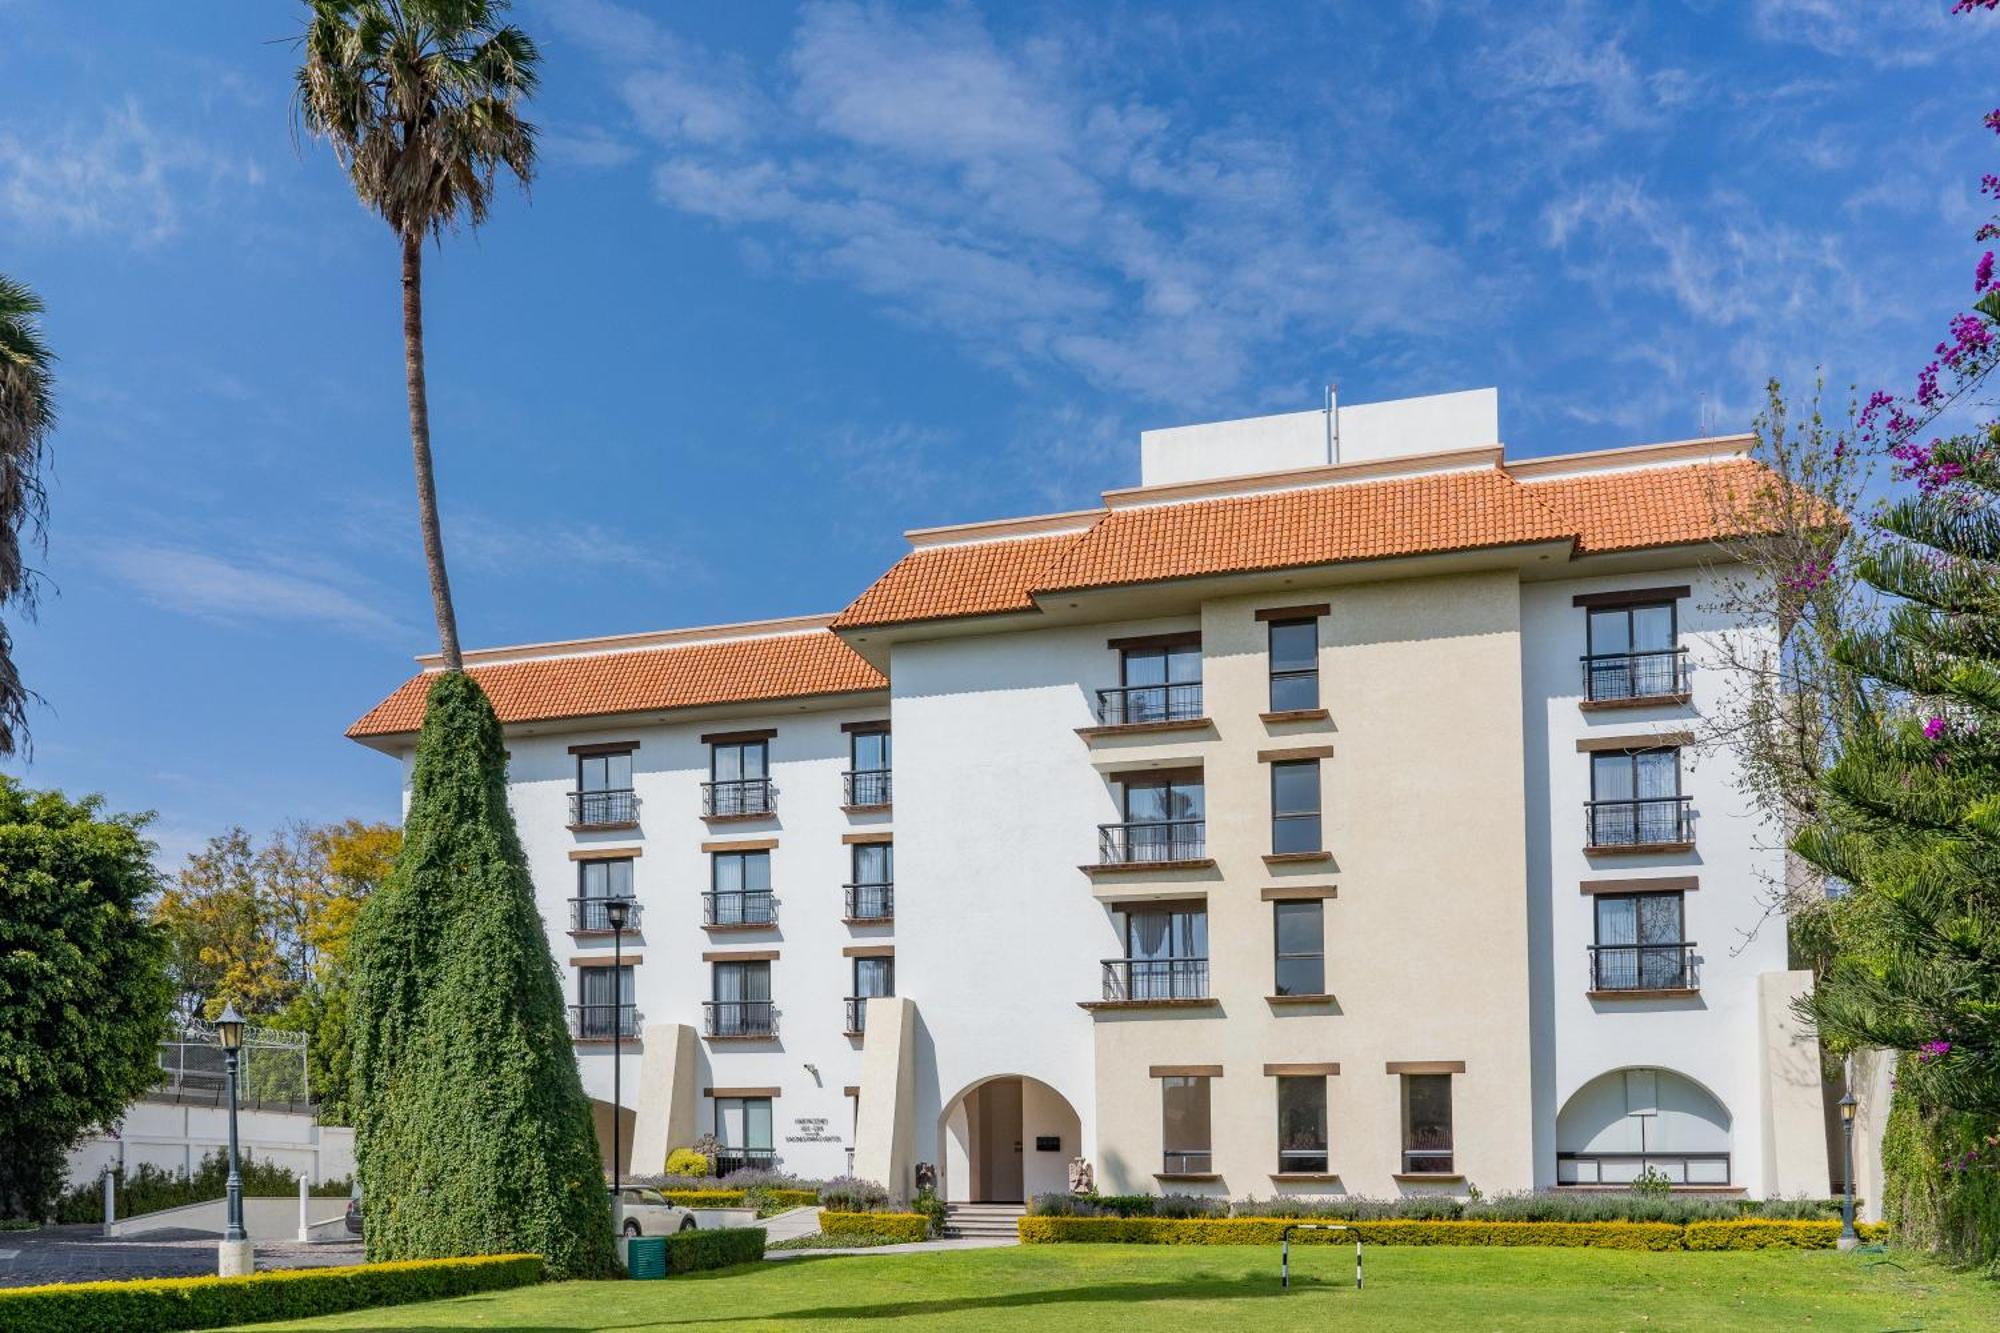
(616, 911)
(1848, 1238)
(229, 1028)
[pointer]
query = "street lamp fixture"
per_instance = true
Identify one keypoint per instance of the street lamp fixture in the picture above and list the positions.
(1848, 1237)
(234, 1256)
(617, 910)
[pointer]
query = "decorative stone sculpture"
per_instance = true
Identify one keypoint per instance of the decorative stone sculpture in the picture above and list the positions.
(926, 1177)
(1082, 1180)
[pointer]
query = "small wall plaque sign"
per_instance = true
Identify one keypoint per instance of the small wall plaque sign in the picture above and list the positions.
(1048, 1143)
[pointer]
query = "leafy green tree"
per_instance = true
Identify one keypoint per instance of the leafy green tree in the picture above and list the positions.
(27, 416)
(472, 1131)
(421, 102)
(84, 994)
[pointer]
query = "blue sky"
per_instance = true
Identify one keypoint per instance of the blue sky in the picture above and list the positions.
(793, 279)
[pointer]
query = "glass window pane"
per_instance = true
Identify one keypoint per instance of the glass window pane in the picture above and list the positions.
(1611, 777)
(1427, 1113)
(757, 871)
(756, 981)
(1145, 666)
(874, 976)
(1302, 1124)
(1659, 918)
(1617, 921)
(756, 760)
(1147, 934)
(590, 772)
(1290, 692)
(1659, 773)
(729, 1121)
(1145, 801)
(1185, 800)
(1184, 664)
(593, 878)
(1185, 1102)
(871, 751)
(1610, 632)
(1295, 788)
(1301, 976)
(618, 878)
(726, 763)
(871, 864)
(728, 872)
(1294, 645)
(618, 771)
(1190, 934)
(757, 1123)
(1652, 628)
(1299, 928)
(1296, 834)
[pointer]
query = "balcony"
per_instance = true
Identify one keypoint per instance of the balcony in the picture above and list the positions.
(738, 798)
(1155, 980)
(1649, 824)
(588, 917)
(870, 902)
(1151, 706)
(617, 807)
(1159, 843)
(866, 789)
(1631, 680)
(1650, 969)
(602, 1022)
(739, 1020)
(749, 909)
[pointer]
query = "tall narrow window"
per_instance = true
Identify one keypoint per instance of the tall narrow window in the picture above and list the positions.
(1301, 941)
(739, 778)
(1302, 1124)
(603, 790)
(1186, 1134)
(742, 999)
(740, 889)
(1640, 943)
(1634, 652)
(1158, 683)
(1294, 665)
(1163, 820)
(1635, 799)
(1166, 955)
(743, 1133)
(1295, 806)
(1427, 1124)
(871, 892)
(873, 977)
(604, 996)
(597, 881)
(868, 775)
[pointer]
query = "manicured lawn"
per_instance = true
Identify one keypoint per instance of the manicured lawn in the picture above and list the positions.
(1096, 1287)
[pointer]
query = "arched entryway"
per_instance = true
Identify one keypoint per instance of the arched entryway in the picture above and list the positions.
(1006, 1139)
(1623, 1124)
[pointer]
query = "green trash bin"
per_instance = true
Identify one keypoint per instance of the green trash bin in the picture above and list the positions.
(646, 1256)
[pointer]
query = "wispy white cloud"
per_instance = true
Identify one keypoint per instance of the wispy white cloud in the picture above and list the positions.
(1915, 33)
(125, 176)
(258, 588)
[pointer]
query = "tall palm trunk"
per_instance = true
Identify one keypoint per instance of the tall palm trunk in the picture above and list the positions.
(420, 447)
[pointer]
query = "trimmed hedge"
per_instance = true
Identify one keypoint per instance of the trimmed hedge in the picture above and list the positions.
(900, 1227)
(221, 1302)
(725, 1247)
(722, 1198)
(1750, 1235)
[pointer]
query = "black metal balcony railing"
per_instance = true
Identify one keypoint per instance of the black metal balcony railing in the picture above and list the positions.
(857, 1012)
(870, 902)
(739, 1018)
(1187, 1162)
(730, 1160)
(748, 907)
(588, 914)
(1643, 966)
(1158, 840)
(1641, 823)
(1657, 673)
(737, 796)
(867, 786)
(1131, 705)
(600, 1022)
(1156, 978)
(594, 809)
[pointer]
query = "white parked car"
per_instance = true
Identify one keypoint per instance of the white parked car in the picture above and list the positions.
(646, 1212)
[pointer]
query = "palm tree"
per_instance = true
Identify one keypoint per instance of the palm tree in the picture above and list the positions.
(420, 100)
(27, 415)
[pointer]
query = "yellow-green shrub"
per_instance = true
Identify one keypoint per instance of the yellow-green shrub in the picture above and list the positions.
(1269, 1230)
(220, 1302)
(886, 1226)
(1762, 1234)
(687, 1162)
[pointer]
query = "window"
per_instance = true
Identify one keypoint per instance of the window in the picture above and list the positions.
(743, 1133)
(1294, 665)
(1160, 683)
(871, 891)
(595, 882)
(1163, 820)
(1633, 652)
(739, 773)
(1301, 947)
(868, 777)
(742, 998)
(1302, 1124)
(1635, 798)
(1166, 954)
(1640, 943)
(1295, 806)
(1185, 1128)
(740, 888)
(874, 977)
(603, 790)
(604, 996)
(604, 772)
(1427, 1124)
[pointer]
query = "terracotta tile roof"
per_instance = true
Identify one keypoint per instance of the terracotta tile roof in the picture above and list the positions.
(1413, 515)
(1621, 511)
(785, 666)
(965, 580)
(1452, 511)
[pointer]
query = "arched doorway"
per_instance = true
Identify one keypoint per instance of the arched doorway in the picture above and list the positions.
(1006, 1139)
(1621, 1125)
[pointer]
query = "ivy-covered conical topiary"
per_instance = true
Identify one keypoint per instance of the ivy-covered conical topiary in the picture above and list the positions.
(472, 1132)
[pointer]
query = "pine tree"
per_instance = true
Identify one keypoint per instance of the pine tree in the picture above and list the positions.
(472, 1132)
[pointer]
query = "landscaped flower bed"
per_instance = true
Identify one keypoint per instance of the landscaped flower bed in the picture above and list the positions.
(1751, 1234)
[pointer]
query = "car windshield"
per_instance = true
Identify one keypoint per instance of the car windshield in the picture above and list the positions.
(645, 1196)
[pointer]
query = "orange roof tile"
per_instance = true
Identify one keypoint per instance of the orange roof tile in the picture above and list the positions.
(1667, 506)
(964, 580)
(784, 666)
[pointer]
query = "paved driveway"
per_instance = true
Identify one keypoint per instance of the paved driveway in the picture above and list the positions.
(82, 1254)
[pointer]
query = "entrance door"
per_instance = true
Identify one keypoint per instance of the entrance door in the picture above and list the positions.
(996, 1132)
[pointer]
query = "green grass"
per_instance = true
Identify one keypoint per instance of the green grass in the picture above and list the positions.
(1094, 1287)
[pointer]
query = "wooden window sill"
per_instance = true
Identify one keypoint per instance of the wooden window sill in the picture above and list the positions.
(1147, 867)
(1296, 858)
(1142, 728)
(866, 809)
(1187, 1175)
(725, 927)
(1296, 715)
(592, 932)
(1663, 993)
(1320, 998)
(626, 1042)
(1642, 701)
(736, 819)
(1427, 1177)
(1638, 848)
(868, 921)
(1305, 1178)
(743, 1036)
(1202, 1002)
(623, 826)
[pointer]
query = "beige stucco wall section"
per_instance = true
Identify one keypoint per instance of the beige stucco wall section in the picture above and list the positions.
(1795, 1146)
(664, 1119)
(885, 1129)
(1427, 947)
(1874, 1083)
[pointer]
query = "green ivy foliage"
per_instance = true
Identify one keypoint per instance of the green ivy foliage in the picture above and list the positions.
(83, 984)
(1941, 1184)
(472, 1132)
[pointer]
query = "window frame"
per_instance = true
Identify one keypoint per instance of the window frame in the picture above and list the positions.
(1278, 955)
(887, 962)
(854, 740)
(1449, 1152)
(860, 850)
(1291, 673)
(603, 759)
(1673, 609)
(1168, 1150)
(1317, 1161)
(1281, 818)
(744, 1104)
(583, 869)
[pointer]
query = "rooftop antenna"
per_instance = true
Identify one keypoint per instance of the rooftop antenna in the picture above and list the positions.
(1332, 423)
(1701, 414)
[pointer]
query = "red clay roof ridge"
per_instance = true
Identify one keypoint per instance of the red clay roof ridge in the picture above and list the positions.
(638, 642)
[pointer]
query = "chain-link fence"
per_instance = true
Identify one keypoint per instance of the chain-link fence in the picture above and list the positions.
(271, 1071)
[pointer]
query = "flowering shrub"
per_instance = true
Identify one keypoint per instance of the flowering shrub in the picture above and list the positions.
(851, 1194)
